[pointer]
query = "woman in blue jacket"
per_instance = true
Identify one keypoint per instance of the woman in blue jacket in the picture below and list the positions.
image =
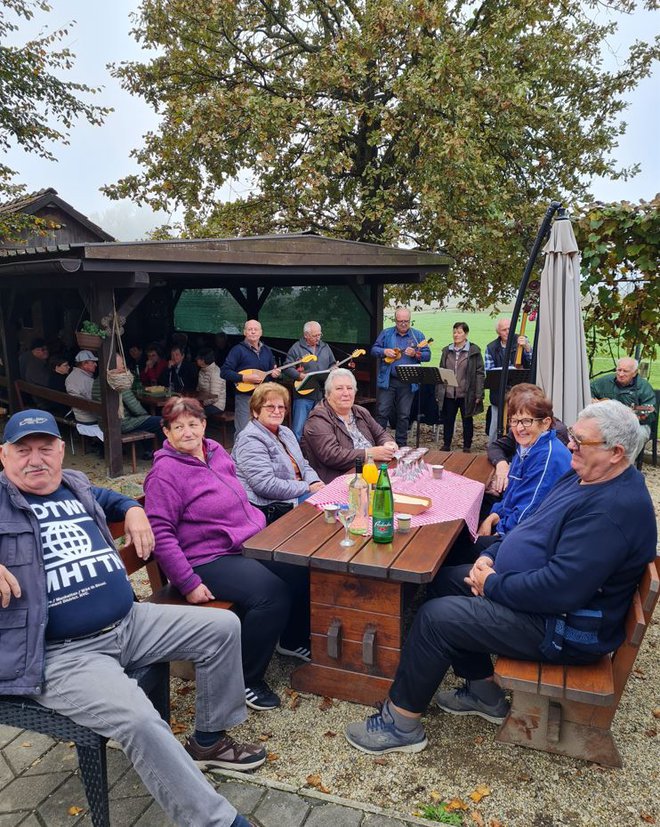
(540, 460)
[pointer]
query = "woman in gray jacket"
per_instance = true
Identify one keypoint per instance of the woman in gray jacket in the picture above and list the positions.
(269, 462)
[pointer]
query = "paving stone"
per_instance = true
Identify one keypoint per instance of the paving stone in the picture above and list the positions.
(153, 817)
(32, 821)
(6, 773)
(7, 734)
(55, 809)
(128, 786)
(332, 815)
(277, 809)
(60, 757)
(11, 819)
(244, 796)
(27, 793)
(25, 750)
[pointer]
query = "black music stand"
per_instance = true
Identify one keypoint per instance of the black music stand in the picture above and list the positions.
(418, 375)
(493, 380)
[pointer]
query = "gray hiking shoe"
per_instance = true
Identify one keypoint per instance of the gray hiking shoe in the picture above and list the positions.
(463, 702)
(378, 735)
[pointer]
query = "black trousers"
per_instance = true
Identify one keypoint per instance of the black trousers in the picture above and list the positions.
(272, 601)
(462, 631)
(450, 409)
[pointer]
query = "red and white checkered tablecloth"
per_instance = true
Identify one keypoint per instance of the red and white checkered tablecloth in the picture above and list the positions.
(453, 497)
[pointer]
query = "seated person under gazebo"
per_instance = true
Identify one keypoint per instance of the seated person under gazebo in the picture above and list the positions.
(338, 431)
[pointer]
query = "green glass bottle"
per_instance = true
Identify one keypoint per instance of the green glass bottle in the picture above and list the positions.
(383, 508)
(358, 495)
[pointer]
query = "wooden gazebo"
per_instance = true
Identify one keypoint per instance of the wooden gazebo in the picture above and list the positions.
(247, 268)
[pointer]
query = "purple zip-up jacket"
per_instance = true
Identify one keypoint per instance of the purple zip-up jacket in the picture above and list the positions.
(198, 511)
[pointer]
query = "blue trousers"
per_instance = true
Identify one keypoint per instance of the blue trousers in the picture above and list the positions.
(397, 400)
(302, 407)
(462, 631)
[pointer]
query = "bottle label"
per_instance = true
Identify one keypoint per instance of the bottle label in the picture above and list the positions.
(383, 528)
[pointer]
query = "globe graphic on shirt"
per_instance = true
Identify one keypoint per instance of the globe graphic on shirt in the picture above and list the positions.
(65, 541)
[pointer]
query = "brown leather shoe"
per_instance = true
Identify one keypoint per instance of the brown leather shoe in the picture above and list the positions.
(226, 753)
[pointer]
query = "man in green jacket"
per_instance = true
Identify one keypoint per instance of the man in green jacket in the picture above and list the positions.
(629, 388)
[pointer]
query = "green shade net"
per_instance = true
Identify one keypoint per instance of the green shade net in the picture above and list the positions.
(286, 309)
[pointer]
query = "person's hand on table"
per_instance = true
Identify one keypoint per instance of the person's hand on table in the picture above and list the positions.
(9, 587)
(384, 453)
(501, 477)
(316, 486)
(482, 568)
(138, 531)
(200, 594)
(487, 527)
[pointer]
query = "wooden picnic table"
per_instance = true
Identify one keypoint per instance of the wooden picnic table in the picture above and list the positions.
(359, 596)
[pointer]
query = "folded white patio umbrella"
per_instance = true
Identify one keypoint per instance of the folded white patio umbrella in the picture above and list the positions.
(562, 368)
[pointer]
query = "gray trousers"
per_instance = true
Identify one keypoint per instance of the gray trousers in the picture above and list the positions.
(241, 410)
(85, 681)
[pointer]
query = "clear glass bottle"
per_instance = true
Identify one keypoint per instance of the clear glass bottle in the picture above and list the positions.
(383, 508)
(358, 495)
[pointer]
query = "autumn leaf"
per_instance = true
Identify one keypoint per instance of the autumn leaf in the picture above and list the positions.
(326, 704)
(184, 690)
(329, 734)
(478, 819)
(382, 762)
(481, 792)
(265, 736)
(316, 782)
(74, 811)
(656, 712)
(272, 756)
(177, 729)
(26, 744)
(647, 817)
(435, 796)
(456, 804)
(479, 739)
(494, 822)
(650, 733)
(639, 673)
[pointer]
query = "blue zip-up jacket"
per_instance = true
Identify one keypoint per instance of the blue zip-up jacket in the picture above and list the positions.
(389, 338)
(242, 357)
(23, 622)
(530, 478)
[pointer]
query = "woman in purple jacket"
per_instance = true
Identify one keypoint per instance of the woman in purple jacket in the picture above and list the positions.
(200, 517)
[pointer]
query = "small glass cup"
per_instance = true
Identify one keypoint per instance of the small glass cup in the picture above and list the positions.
(403, 523)
(437, 470)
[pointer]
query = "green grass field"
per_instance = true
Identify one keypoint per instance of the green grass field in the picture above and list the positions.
(437, 325)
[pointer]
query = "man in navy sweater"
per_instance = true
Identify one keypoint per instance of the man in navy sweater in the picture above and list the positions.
(556, 588)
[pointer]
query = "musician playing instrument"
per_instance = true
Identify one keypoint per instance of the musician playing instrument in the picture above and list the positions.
(406, 346)
(311, 342)
(253, 356)
(629, 388)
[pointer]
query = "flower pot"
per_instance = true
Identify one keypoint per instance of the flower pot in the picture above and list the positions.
(88, 341)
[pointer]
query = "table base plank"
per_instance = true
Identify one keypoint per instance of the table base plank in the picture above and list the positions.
(336, 683)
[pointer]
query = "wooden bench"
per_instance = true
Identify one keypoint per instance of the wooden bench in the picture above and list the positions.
(65, 399)
(162, 592)
(569, 710)
(221, 420)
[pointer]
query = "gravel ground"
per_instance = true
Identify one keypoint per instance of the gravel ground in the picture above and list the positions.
(524, 788)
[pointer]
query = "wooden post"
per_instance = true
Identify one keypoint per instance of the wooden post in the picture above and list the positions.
(9, 339)
(102, 306)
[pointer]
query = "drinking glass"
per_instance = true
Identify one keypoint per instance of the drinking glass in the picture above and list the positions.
(346, 516)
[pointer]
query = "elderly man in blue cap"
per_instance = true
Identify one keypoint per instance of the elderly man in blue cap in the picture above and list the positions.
(70, 627)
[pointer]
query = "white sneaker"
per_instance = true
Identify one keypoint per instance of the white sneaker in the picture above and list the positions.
(301, 652)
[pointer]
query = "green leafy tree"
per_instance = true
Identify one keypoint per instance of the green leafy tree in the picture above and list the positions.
(37, 107)
(620, 244)
(439, 123)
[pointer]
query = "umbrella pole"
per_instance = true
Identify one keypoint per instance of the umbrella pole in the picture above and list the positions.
(543, 231)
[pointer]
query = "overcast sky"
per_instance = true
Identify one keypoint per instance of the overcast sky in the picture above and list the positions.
(98, 156)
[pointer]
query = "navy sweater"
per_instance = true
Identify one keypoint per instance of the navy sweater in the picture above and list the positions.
(578, 560)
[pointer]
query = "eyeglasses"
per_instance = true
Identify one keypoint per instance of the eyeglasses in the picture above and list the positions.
(274, 407)
(402, 321)
(579, 442)
(526, 421)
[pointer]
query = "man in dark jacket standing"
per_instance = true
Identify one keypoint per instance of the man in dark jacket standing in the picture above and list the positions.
(557, 589)
(465, 360)
(70, 626)
(494, 360)
(255, 358)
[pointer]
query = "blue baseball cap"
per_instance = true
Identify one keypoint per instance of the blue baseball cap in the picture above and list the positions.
(32, 421)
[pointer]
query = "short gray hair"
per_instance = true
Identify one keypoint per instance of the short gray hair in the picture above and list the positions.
(618, 425)
(307, 326)
(339, 373)
(635, 363)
